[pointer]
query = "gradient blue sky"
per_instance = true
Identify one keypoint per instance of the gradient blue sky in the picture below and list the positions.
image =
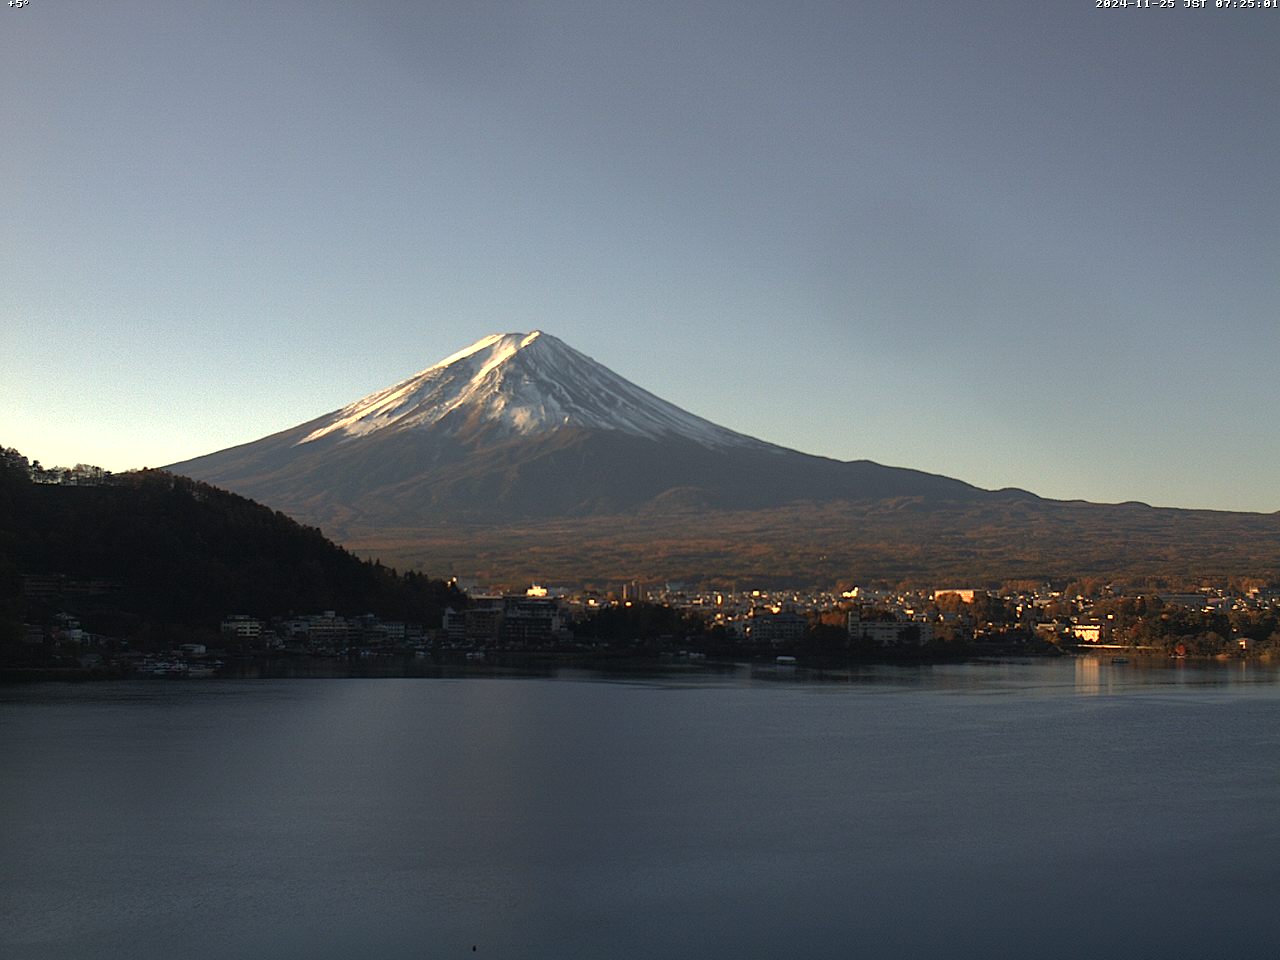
(1023, 244)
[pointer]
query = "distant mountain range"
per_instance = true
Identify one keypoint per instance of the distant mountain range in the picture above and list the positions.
(520, 456)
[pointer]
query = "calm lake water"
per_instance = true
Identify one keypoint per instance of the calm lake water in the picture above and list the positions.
(1050, 809)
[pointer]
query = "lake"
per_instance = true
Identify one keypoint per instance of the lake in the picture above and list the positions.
(1067, 808)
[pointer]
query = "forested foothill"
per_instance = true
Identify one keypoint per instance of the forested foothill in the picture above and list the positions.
(155, 559)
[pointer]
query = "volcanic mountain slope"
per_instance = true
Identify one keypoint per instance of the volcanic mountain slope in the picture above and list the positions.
(523, 426)
(521, 457)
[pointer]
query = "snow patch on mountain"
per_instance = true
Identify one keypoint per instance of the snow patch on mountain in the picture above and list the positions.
(523, 384)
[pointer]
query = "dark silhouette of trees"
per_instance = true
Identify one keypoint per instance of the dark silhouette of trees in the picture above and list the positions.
(158, 549)
(639, 621)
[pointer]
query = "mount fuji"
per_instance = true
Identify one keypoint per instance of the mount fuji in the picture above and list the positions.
(523, 425)
(520, 456)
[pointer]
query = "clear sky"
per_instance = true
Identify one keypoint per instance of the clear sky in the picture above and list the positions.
(1029, 244)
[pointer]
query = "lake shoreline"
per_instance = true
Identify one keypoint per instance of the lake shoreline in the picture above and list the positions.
(547, 664)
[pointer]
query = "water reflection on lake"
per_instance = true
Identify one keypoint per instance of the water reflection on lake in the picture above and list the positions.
(1049, 809)
(1105, 675)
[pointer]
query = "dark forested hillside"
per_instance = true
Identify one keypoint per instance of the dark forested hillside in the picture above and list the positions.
(147, 549)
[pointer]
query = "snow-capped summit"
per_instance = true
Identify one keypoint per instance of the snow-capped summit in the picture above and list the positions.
(521, 384)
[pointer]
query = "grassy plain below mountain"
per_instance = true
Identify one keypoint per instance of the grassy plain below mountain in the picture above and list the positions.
(915, 540)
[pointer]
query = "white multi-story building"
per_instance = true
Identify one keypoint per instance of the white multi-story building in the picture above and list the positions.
(890, 633)
(242, 627)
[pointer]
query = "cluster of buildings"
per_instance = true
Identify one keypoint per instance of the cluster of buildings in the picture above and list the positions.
(516, 622)
(727, 622)
(749, 620)
(325, 633)
(1114, 619)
